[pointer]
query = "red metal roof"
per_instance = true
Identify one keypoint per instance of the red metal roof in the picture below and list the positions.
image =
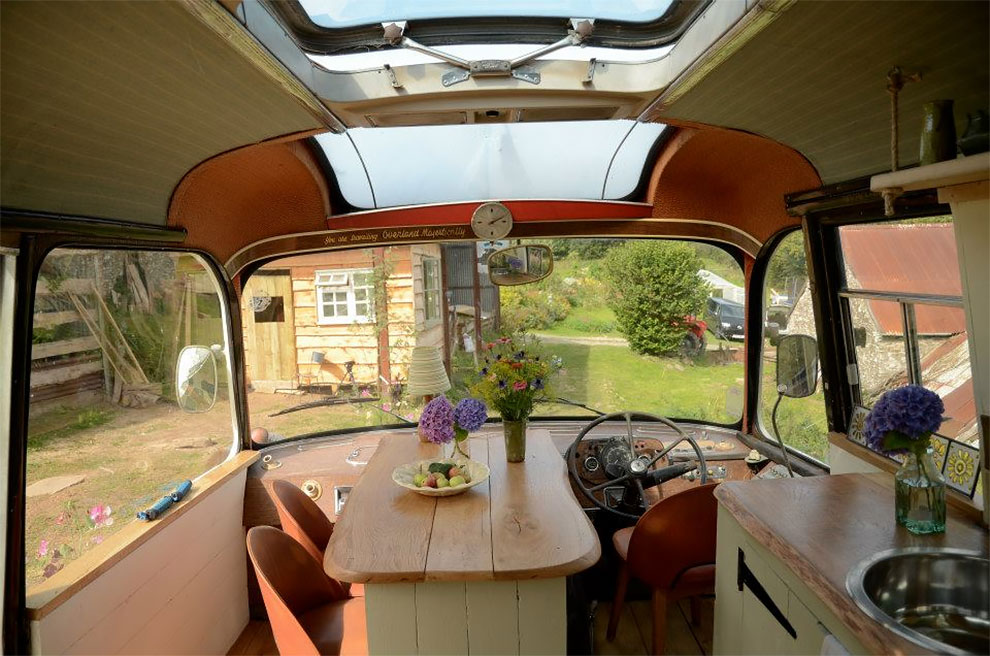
(918, 258)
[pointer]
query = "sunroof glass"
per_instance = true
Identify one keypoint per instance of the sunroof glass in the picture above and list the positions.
(351, 13)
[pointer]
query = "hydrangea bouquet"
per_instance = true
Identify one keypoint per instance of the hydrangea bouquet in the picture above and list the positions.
(443, 423)
(903, 421)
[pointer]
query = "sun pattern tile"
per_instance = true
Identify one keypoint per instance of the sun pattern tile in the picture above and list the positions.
(857, 425)
(961, 467)
(939, 447)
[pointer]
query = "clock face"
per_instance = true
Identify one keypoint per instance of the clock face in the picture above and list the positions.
(491, 221)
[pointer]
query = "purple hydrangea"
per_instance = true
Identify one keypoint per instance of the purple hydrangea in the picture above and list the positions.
(912, 410)
(437, 421)
(470, 414)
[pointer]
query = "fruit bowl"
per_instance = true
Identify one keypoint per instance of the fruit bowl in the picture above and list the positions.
(403, 476)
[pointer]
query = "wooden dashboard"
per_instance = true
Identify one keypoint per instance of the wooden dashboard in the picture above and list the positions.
(327, 468)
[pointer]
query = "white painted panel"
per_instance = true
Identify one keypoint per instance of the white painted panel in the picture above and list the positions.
(441, 618)
(120, 609)
(841, 461)
(543, 616)
(390, 609)
(493, 617)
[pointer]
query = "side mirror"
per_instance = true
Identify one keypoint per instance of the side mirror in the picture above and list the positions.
(196, 379)
(520, 265)
(797, 366)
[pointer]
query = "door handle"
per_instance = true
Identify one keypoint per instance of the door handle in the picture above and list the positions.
(746, 578)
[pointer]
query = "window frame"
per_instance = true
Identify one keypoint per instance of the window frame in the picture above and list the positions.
(427, 290)
(37, 236)
(352, 316)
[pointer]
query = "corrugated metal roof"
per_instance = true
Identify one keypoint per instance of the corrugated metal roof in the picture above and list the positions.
(918, 258)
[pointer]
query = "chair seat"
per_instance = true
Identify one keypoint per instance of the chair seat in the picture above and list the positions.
(702, 576)
(620, 540)
(337, 627)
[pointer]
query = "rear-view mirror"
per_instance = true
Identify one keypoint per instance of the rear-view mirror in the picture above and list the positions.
(797, 366)
(520, 265)
(196, 379)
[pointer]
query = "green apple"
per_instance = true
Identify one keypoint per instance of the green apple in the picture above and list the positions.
(457, 480)
(443, 482)
(418, 479)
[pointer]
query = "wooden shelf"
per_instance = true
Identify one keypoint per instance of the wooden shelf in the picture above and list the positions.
(962, 170)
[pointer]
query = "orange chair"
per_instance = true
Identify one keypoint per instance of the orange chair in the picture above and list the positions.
(672, 549)
(305, 522)
(307, 614)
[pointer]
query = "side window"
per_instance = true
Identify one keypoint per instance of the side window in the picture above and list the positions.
(106, 437)
(789, 311)
(431, 288)
(903, 307)
(344, 296)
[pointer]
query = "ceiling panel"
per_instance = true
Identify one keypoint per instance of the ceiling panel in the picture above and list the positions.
(815, 79)
(106, 105)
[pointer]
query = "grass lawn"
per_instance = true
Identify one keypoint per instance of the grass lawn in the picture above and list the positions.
(583, 321)
(802, 421)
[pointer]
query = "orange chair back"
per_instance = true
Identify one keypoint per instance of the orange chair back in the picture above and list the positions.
(291, 582)
(677, 533)
(302, 518)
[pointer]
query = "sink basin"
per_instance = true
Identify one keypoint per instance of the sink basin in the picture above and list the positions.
(936, 598)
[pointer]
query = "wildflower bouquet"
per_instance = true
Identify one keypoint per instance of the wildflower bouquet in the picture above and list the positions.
(514, 377)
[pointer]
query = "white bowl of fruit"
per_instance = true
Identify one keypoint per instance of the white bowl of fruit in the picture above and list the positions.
(440, 478)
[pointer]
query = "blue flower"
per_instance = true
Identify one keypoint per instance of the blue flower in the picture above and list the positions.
(498, 356)
(470, 414)
(520, 355)
(537, 384)
(912, 411)
(484, 371)
(437, 421)
(501, 384)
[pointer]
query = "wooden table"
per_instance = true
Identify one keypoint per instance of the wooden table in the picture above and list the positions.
(482, 572)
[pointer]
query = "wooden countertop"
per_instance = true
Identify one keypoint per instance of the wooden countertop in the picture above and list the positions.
(523, 523)
(822, 526)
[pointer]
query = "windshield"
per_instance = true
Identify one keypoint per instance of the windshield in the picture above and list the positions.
(357, 338)
(732, 311)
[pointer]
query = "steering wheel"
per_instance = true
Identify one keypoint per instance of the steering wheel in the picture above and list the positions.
(633, 472)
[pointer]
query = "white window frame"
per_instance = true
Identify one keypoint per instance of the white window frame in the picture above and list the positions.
(344, 279)
(427, 290)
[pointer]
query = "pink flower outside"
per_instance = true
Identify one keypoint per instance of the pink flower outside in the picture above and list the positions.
(100, 515)
(43, 548)
(520, 385)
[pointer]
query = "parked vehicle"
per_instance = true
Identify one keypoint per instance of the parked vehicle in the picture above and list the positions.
(726, 319)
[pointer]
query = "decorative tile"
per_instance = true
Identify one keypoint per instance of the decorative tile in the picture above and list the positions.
(940, 446)
(857, 425)
(962, 467)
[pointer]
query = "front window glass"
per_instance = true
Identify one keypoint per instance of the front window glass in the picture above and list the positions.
(106, 435)
(789, 311)
(627, 320)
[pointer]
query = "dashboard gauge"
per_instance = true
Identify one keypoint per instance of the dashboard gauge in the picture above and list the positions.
(615, 455)
(591, 464)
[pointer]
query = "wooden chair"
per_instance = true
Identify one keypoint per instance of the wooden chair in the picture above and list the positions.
(307, 524)
(672, 549)
(308, 615)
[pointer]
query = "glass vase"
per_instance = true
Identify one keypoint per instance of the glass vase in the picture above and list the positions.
(919, 494)
(515, 440)
(460, 450)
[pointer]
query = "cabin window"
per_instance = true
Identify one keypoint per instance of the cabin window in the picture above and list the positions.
(344, 296)
(431, 288)
(903, 313)
(306, 376)
(106, 436)
(788, 310)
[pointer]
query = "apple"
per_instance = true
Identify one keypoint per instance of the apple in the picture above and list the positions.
(431, 481)
(418, 479)
(454, 471)
(443, 482)
(457, 480)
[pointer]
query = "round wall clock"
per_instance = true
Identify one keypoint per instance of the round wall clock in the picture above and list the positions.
(491, 221)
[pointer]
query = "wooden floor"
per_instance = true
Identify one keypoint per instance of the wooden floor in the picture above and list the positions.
(635, 629)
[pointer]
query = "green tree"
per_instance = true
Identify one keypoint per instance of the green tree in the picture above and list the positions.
(653, 286)
(788, 269)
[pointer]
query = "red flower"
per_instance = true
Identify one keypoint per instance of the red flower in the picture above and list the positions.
(517, 365)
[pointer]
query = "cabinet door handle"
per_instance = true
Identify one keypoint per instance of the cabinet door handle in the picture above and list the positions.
(746, 578)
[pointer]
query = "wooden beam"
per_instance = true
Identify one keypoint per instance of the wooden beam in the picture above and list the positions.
(51, 349)
(45, 319)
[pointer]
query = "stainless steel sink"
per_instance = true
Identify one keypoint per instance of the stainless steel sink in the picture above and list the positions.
(936, 598)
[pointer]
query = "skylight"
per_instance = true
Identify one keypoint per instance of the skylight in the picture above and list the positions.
(352, 13)
(386, 167)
